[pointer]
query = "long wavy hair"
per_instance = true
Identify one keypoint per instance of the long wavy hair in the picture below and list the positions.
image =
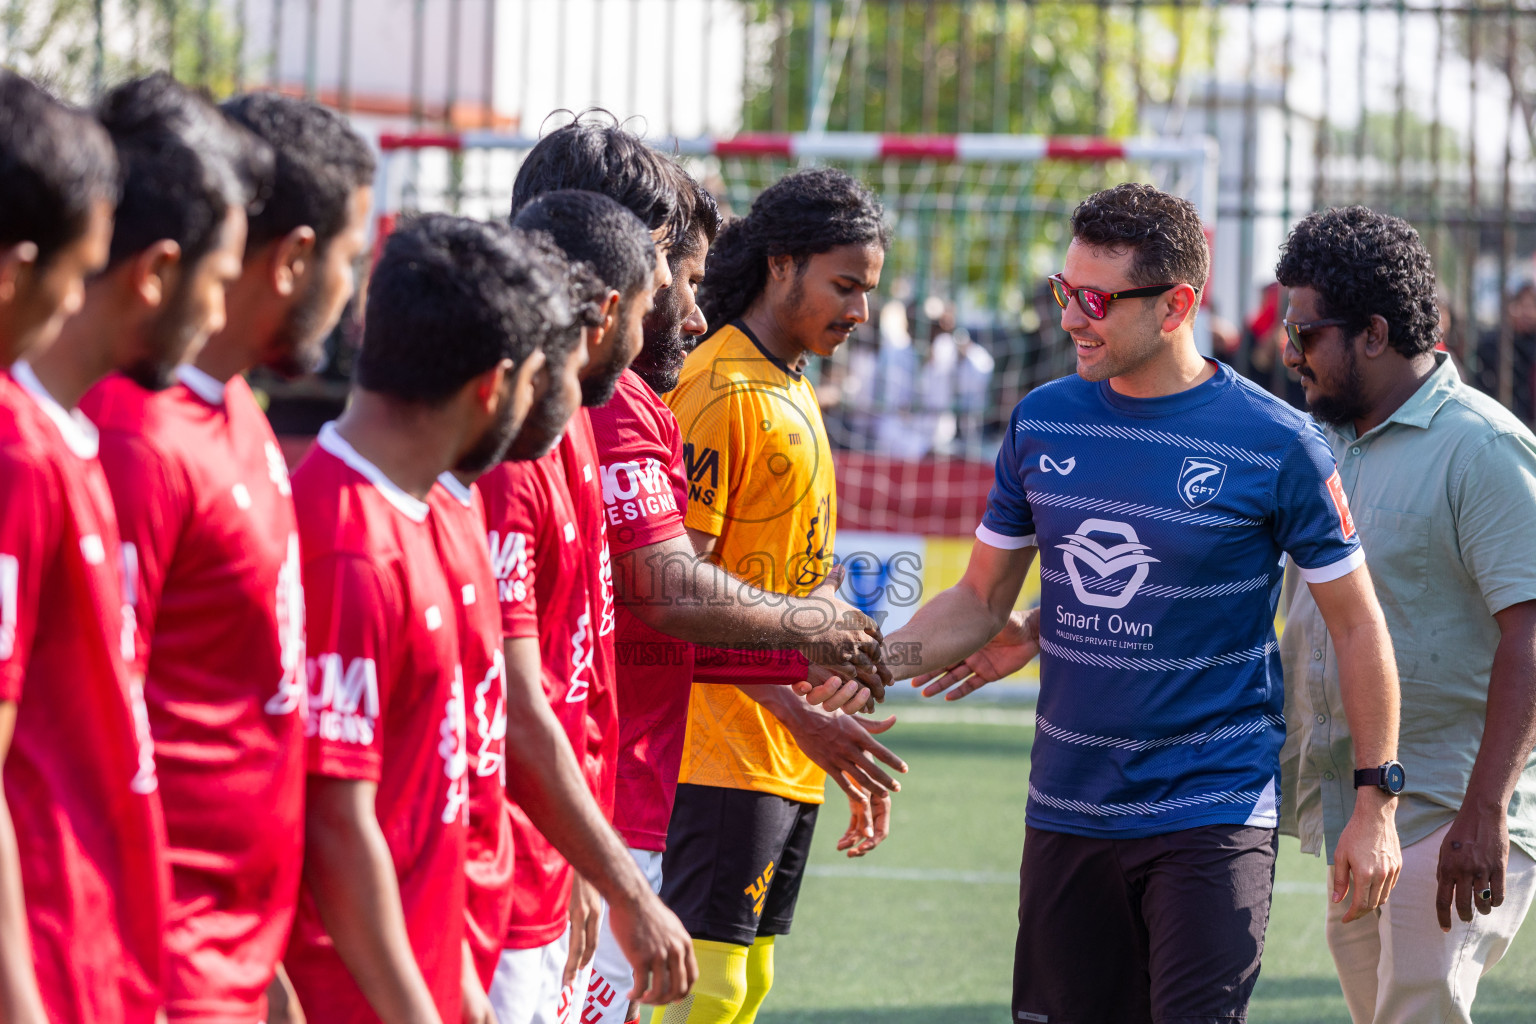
(800, 215)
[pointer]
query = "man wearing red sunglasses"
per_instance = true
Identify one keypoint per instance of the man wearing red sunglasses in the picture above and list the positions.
(1161, 492)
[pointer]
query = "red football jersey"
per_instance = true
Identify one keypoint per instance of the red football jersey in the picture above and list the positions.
(80, 776)
(644, 491)
(578, 454)
(541, 580)
(206, 516)
(386, 705)
(460, 516)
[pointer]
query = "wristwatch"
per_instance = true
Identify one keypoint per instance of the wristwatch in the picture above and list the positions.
(1389, 778)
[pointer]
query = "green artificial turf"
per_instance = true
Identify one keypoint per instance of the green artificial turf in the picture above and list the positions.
(922, 929)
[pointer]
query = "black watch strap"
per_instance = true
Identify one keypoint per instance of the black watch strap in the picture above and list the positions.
(1370, 777)
(1389, 778)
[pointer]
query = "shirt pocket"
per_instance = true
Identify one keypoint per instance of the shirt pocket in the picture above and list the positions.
(1397, 553)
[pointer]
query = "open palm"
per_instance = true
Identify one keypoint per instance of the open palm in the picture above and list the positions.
(1015, 645)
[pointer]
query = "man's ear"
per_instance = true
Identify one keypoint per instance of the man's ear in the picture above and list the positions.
(290, 258)
(1377, 336)
(489, 386)
(16, 262)
(781, 267)
(610, 310)
(1179, 305)
(529, 382)
(152, 273)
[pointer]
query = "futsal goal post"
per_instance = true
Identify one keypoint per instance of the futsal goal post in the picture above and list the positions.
(962, 324)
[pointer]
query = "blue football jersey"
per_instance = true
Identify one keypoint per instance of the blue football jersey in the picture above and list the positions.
(1163, 526)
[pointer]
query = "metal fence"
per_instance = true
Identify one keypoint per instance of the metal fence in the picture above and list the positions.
(1425, 109)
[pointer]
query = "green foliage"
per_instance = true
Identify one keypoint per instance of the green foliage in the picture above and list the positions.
(1046, 68)
(1390, 135)
(978, 234)
(77, 50)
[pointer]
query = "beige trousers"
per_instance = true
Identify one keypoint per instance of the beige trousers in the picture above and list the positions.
(1398, 967)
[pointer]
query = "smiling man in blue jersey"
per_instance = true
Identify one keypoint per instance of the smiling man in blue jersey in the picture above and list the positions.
(1163, 493)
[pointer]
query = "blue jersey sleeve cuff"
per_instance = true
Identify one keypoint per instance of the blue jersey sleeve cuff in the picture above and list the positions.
(1328, 573)
(998, 540)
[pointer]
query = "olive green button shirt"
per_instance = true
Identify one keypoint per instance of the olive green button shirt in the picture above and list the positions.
(1444, 496)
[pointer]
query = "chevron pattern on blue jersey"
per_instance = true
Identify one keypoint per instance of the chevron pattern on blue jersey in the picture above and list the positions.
(1162, 526)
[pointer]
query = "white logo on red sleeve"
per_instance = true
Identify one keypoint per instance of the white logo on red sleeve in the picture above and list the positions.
(127, 640)
(509, 559)
(637, 490)
(10, 589)
(1341, 505)
(453, 748)
(277, 469)
(92, 549)
(491, 720)
(605, 580)
(290, 634)
(345, 707)
(581, 659)
(144, 780)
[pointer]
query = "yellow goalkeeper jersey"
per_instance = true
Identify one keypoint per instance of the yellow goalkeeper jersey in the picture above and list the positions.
(760, 478)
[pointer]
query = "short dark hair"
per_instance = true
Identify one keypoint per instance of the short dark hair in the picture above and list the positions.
(800, 215)
(55, 162)
(703, 219)
(1162, 232)
(184, 166)
(594, 229)
(452, 297)
(593, 152)
(320, 163)
(1361, 263)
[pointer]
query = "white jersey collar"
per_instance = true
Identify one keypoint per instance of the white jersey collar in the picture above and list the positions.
(332, 441)
(456, 487)
(201, 383)
(78, 431)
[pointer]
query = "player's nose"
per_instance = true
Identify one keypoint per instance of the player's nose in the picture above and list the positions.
(858, 309)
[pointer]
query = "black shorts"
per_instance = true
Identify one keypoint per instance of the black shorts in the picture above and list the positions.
(1163, 929)
(734, 861)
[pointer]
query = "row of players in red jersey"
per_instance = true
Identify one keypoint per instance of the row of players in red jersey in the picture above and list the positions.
(212, 677)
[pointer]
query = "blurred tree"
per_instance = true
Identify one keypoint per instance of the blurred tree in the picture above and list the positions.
(1501, 35)
(78, 47)
(916, 67)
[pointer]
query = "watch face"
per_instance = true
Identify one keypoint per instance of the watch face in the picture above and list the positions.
(1395, 778)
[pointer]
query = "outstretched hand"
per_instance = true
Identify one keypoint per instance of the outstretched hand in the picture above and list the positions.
(829, 691)
(869, 821)
(850, 643)
(1015, 646)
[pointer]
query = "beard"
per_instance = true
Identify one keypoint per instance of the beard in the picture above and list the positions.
(542, 429)
(661, 358)
(488, 451)
(171, 338)
(299, 347)
(1346, 404)
(599, 387)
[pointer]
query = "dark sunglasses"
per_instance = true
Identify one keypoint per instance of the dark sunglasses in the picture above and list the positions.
(1297, 333)
(1096, 303)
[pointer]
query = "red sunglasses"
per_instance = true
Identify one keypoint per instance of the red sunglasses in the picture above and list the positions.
(1096, 303)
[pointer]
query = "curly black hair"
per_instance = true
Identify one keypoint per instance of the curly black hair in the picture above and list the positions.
(451, 297)
(1362, 263)
(184, 165)
(596, 153)
(55, 161)
(320, 163)
(1162, 231)
(800, 215)
(703, 219)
